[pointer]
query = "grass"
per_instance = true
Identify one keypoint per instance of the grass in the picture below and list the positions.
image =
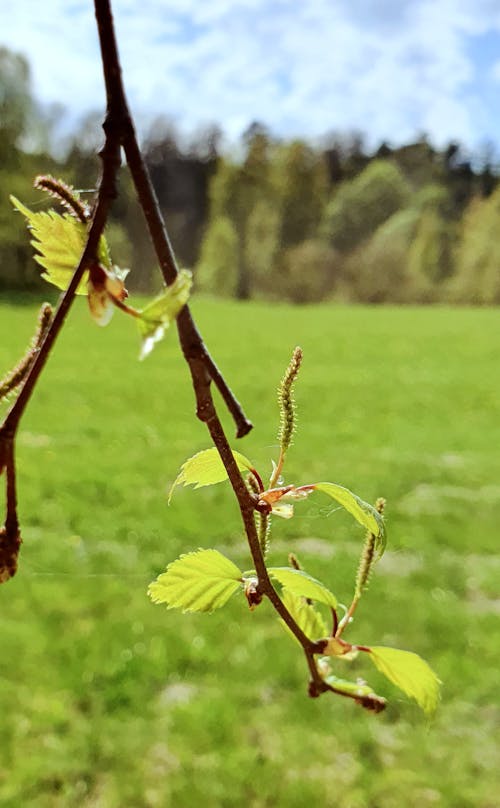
(108, 701)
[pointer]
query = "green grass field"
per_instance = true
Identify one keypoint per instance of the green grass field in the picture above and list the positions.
(109, 701)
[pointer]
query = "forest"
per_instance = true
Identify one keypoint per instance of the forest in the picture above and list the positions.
(271, 218)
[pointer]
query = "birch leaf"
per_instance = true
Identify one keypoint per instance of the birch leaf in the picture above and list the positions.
(206, 468)
(303, 585)
(157, 316)
(60, 241)
(410, 673)
(201, 581)
(305, 615)
(364, 513)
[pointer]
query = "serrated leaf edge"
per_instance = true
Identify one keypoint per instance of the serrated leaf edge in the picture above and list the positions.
(225, 584)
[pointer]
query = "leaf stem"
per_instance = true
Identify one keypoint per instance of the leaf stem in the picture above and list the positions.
(273, 481)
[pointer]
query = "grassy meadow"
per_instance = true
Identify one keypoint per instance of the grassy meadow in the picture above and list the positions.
(111, 702)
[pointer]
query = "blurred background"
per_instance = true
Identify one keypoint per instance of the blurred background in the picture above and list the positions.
(330, 154)
(300, 151)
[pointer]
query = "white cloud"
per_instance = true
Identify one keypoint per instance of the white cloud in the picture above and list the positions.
(389, 68)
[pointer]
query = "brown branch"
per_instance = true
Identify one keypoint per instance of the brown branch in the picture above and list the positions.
(11, 520)
(193, 347)
(10, 538)
(202, 367)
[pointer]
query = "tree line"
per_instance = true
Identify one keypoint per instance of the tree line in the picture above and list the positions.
(275, 218)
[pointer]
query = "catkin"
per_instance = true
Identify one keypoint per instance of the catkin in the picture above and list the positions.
(367, 556)
(264, 531)
(17, 375)
(286, 401)
(64, 194)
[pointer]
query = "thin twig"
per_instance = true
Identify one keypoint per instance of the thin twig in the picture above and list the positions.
(11, 520)
(193, 347)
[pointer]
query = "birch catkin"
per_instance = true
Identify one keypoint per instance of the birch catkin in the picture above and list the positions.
(286, 401)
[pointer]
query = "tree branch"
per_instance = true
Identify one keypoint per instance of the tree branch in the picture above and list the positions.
(202, 367)
(193, 347)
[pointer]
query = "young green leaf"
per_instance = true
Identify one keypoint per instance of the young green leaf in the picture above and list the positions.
(410, 673)
(158, 315)
(206, 468)
(364, 513)
(305, 615)
(302, 584)
(60, 241)
(200, 581)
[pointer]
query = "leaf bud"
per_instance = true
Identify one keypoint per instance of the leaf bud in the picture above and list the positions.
(252, 593)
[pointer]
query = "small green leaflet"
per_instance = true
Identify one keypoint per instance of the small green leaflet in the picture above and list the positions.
(303, 585)
(158, 315)
(410, 673)
(200, 581)
(364, 513)
(206, 468)
(60, 240)
(305, 615)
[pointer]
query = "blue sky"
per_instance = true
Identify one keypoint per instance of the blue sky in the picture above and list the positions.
(389, 68)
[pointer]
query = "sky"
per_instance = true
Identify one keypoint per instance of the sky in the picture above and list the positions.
(391, 69)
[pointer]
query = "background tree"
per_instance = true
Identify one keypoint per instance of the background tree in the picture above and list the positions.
(247, 219)
(21, 132)
(235, 192)
(358, 207)
(477, 278)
